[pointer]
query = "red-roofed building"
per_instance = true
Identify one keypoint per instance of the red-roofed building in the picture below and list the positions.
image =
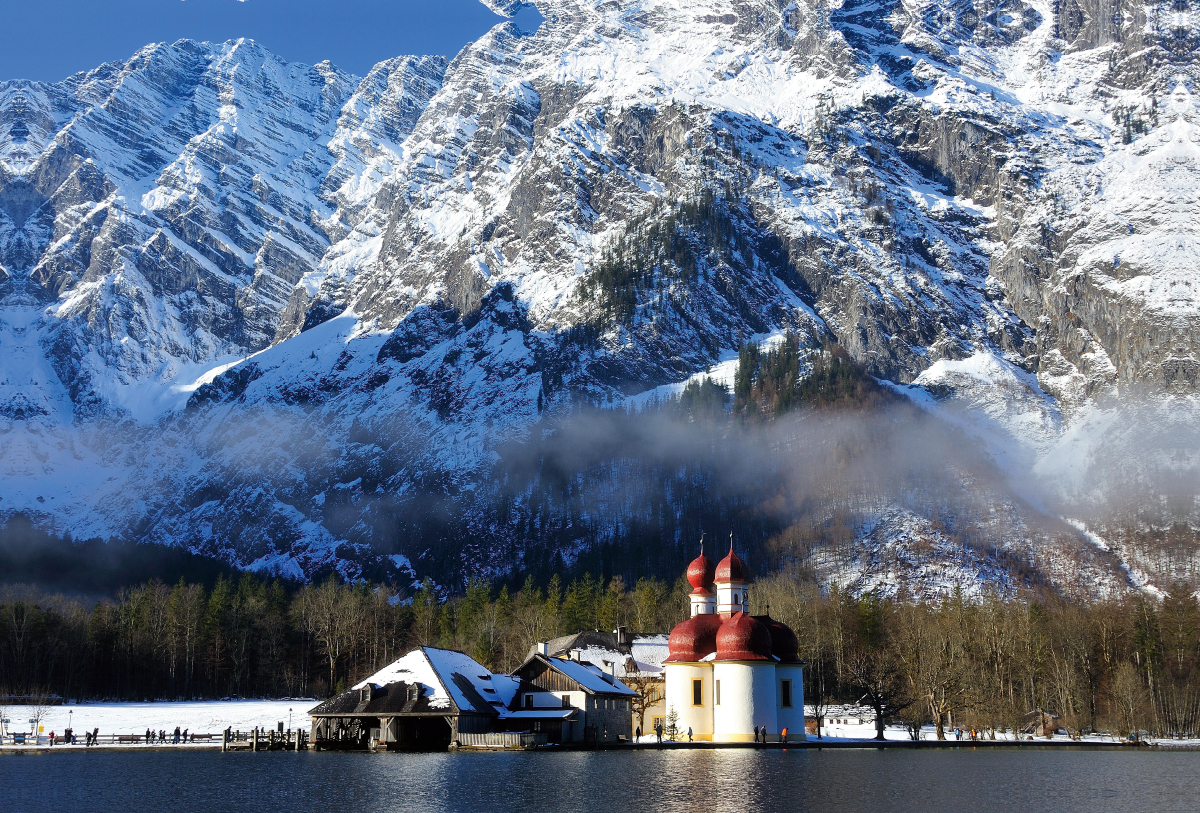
(729, 672)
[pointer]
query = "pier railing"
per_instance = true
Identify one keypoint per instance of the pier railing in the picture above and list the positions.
(256, 739)
(43, 740)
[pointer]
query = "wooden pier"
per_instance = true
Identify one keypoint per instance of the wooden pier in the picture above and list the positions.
(264, 739)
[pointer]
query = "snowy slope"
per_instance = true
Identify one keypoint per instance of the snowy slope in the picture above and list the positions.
(250, 306)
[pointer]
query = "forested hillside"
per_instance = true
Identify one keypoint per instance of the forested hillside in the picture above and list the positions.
(1120, 665)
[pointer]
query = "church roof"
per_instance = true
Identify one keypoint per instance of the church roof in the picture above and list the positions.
(731, 569)
(743, 638)
(693, 639)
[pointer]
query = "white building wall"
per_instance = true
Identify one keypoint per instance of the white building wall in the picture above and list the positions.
(553, 700)
(747, 700)
(731, 597)
(679, 677)
(790, 718)
(703, 605)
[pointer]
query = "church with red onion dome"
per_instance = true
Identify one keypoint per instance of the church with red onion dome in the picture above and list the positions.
(730, 672)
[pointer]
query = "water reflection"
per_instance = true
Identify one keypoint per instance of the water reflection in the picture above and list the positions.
(620, 781)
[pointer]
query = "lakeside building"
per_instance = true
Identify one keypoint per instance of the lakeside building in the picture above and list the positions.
(432, 698)
(634, 658)
(600, 706)
(729, 672)
(424, 701)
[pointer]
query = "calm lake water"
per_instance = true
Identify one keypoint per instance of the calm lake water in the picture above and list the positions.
(734, 780)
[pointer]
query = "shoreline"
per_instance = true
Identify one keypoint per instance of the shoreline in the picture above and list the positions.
(810, 745)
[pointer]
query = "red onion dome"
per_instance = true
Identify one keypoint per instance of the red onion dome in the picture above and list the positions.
(784, 644)
(731, 569)
(694, 639)
(700, 573)
(741, 638)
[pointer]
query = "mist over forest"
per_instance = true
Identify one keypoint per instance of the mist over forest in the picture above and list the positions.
(815, 468)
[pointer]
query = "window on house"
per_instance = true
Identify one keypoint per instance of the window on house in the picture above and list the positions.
(698, 692)
(717, 693)
(566, 702)
(528, 701)
(785, 693)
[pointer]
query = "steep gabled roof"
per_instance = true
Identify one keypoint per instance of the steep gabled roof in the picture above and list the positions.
(377, 701)
(454, 681)
(648, 651)
(588, 677)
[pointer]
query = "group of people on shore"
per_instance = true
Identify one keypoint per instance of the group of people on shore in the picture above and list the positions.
(69, 738)
(760, 734)
(93, 737)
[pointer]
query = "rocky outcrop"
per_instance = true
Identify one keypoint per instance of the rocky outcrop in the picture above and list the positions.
(583, 213)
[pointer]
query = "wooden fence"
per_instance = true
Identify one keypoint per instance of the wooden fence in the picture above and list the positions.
(106, 739)
(258, 739)
(501, 740)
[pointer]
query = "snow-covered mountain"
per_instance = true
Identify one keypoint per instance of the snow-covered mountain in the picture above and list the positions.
(252, 307)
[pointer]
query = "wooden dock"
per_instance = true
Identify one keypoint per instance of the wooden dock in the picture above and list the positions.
(264, 739)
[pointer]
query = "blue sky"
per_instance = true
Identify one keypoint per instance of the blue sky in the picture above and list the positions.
(52, 39)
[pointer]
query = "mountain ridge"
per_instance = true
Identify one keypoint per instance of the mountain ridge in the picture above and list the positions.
(271, 277)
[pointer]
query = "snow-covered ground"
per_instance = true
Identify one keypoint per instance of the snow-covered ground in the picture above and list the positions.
(865, 732)
(211, 717)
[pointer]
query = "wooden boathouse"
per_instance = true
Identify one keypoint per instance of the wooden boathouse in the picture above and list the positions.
(424, 701)
(433, 699)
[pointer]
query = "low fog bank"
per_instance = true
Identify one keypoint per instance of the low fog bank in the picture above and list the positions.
(888, 498)
(1130, 473)
(870, 492)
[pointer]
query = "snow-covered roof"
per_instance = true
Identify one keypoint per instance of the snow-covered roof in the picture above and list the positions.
(590, 677)
(605, 659)
(651, 650)
(648, 653)
(448, 675)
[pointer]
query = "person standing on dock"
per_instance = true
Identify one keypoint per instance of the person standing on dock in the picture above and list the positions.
(756, 735)
(783, 735)
(637, 734)
(689, 733)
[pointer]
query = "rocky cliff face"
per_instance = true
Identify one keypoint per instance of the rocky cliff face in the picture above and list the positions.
(298, 294)
(165, 209)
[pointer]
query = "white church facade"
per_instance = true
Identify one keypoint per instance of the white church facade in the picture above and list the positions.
(729, 672)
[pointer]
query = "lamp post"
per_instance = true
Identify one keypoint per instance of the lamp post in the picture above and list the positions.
(289, 719)
(70, 725)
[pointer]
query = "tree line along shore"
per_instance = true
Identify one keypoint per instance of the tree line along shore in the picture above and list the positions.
(1119, 666)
